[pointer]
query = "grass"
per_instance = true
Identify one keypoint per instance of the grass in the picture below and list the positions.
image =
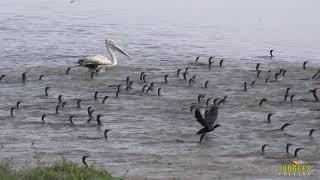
(60, 170)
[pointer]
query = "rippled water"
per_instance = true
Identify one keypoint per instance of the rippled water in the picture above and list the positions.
(155, 136)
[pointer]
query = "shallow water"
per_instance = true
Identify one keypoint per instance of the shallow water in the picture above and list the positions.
(152, 135)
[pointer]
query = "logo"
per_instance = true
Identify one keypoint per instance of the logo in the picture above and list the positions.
(296, 168)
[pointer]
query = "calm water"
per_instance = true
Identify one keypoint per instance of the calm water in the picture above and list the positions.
(155, 136)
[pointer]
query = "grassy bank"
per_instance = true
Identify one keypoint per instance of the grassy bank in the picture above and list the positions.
(61, 170)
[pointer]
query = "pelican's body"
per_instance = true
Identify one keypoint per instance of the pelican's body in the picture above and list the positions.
(95, 60)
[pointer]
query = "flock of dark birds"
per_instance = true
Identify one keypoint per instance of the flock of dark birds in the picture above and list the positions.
(205, 110)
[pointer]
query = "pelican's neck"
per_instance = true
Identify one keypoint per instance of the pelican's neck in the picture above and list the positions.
(113, 56)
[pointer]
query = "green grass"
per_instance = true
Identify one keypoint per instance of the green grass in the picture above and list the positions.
(60, 170)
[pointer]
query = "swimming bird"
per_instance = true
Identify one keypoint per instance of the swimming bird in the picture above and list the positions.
(42, 118)
(166, 78)
(185, 75)
(253, 83)
(186, 70)
(271, 53)
(96, 95)
(18, 103)
(220, 63)
(159, 93)
(178, 72)
(90, 112)
(78, 103)
(284, 126)
(296, 151)
(57, 109)
(197, 58)
(40, 77)
(68, 70)
(46, 90)
(276, 76)
(311, 132)
(24, 76)
(314, 93)
(207, 122)
(245, 86)
(291, 98)
(191, 81)
(92, 75)
(60, 98)
(98, 120)
(263, 147)
(209, 65)
(210, 59)
(269, 117)
(304, 64)
(287, 147)
(262, 100)
(144, 78)
(284, 72)
(258, 66)
(11, 111)
(206, 84)
(70, 119)
(89, 109)
(106, 132)
(93, 61)
(2, 76)
(84, 160)
(104, 99)
(117, 93)
(287, 90)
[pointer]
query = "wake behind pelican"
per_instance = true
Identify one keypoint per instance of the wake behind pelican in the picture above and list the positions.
(95, 60)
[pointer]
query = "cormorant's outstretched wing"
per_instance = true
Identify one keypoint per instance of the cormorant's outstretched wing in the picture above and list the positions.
(211, 116)
(198, 116)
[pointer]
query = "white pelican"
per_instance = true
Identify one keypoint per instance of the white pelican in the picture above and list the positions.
(94, 60)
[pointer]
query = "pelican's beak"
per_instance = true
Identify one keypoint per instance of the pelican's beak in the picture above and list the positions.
(117, 48)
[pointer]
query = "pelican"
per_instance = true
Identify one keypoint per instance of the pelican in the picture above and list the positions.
(94, 60)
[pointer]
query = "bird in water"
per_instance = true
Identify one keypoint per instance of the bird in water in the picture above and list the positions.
(271, 53)
(263, 147)
(106, 133)
(2, 76)
(296, 151)
(304, 65)
(68, 70)
(95, 60)
(84, 160)
(207, 122)
(287, 147)
(311, 132)
(24, 76)
(269, 117)
(46, 90)
(262, 100)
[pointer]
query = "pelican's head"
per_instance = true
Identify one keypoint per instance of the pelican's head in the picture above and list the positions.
(115, 47)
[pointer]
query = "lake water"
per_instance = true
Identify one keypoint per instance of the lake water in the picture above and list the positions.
(155, 136)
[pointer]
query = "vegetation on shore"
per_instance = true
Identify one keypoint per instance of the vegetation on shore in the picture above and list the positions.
(60, 170)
